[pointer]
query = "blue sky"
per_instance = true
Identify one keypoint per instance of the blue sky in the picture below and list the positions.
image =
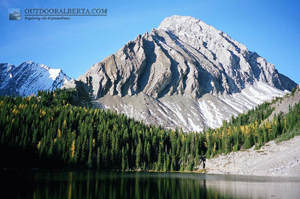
(269, 27)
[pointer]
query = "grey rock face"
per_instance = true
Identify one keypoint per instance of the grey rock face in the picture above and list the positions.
(28, 78)
(170, 72)
(184, 56)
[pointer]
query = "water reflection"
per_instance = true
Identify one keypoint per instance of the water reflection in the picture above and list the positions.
(257, 187)
(141, 185)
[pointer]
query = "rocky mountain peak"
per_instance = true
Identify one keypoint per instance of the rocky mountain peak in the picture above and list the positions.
(183, 74)
(190, 29)
(185, 24)
(184, 56)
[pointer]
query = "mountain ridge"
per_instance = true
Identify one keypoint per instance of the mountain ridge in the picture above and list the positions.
(227, 69)
(29, 77)
(183, 74)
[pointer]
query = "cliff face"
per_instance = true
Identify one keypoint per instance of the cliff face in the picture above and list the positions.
(183, 74)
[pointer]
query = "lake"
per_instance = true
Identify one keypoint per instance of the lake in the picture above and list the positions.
(109, 185)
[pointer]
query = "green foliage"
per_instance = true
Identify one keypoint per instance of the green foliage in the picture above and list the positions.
(288, 136)
(293, 91)
(50, 132)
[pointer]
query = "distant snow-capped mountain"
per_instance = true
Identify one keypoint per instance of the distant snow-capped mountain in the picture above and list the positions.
(28, 78)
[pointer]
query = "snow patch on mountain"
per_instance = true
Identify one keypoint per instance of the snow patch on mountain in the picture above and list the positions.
(54, 73)
(189, 114)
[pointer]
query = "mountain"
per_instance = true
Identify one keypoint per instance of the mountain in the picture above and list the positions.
(184, 74)
(28, 78)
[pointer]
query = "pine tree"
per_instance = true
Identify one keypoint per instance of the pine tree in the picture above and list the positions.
(138, 154)
(123, 159)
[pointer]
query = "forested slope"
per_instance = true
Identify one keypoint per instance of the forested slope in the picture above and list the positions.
(50, 132)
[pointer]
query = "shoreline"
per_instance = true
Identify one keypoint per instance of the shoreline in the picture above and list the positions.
(273, 159)
(151, 171)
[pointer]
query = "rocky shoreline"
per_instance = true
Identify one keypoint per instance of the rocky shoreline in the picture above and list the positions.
(273, 159)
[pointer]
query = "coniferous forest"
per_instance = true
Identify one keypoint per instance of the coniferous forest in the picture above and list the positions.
(50, 131)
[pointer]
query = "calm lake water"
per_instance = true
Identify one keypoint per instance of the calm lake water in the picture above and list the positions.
(48, 185)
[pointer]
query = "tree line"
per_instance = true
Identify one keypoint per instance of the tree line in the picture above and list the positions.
(49, 131)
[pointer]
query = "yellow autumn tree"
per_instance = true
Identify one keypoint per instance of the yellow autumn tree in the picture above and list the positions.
(73, 149)
(65, 124)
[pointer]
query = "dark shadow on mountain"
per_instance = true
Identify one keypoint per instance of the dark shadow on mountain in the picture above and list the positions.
(286, 82)
(129, 82)
(174, 70)
(254, 65)
(150, 59)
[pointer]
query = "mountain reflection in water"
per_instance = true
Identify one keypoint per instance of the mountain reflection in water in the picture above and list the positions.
(143, 185)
